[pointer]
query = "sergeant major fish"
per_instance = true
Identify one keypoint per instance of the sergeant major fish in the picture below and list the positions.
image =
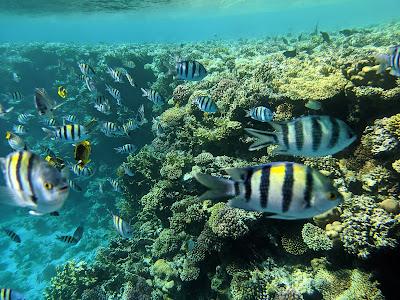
(126, 149)
(24, 118)
(123, 228)
(19, 129)
(115, 184)
(33, 183)
(81, 170)
(86, 69)
(206, 104)
(115, 74)
(10, 294)
(114, 93)
(190, 70)
(310, 136)
(153, 96)
(260, 113)
(68, 132)
(283, 190)
(13, 236)
(391, 60)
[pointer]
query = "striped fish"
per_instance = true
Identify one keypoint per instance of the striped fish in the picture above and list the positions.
(126, 149)
(81, 170)
(391, 60)
(114, 93)
(90, 84)
(140, 116)
(306, 136)
(86, 69)
(68, 132)
(115, 184)
(13, 236)
(103, 108)
(19, 129)
(16, 95)
(109, 126)
(73, 185)
(123, 228)
(206, 104)
(115, 74)
(284, 190)
(68, 239)
(33, 183)
(190, 70)
(260, 113)
(101, 99)
(49, 122)
(153, 96)
(10, 294)
(129, 64)
(15, 141)
(70, 118)
(130, 79)
(24, 118)
(129, 126)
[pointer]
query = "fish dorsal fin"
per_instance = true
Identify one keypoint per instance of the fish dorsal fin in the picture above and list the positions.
(238, 174)
(277, 126)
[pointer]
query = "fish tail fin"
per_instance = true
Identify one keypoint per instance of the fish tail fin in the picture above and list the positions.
(9, 109)
(144, 92)
(118, 149)
(219, 188)
(264, 138)
(247, 113)
(383, 61)
(48, 132)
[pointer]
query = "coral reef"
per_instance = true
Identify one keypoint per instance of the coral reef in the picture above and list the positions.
(184, 247)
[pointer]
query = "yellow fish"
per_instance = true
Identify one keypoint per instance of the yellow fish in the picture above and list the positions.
(62, 92)
(82, 152)
(55, 162)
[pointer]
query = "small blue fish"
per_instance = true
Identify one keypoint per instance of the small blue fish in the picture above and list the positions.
(260, 113)
(391, 60)
(206, 104)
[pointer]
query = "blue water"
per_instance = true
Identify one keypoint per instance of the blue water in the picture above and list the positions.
(196, 21)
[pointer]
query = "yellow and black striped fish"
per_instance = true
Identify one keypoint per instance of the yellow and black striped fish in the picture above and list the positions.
(284, 190)
(33, 183)
(123, 228)
(306, 136)
(68, 132)
(62, 92)
(10, 294)
(13, 236)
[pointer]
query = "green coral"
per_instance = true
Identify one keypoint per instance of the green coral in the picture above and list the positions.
(366, 227)
(344, 283)
(316, 238)
(71, 281)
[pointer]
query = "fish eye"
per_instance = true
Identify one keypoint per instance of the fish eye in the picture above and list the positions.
(332, 196)
(48, 185)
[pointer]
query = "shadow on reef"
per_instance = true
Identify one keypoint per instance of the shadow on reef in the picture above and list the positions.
(185, 248)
